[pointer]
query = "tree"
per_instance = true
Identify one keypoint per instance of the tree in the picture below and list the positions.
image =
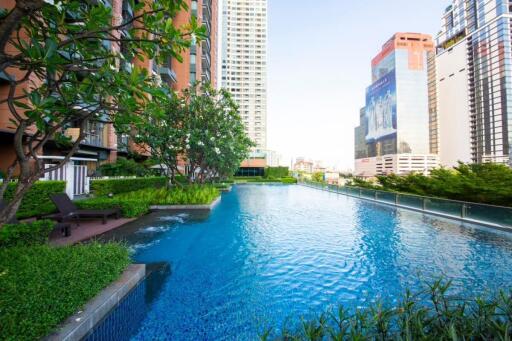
(69, 62)
(160, 130)
(216, 141)
(317, 177)
(201, 127)
(489, 183)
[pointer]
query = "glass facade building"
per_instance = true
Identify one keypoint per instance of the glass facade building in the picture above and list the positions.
(397, 118)
(484, 29)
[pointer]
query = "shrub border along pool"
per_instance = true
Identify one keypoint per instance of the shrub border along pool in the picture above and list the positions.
(82, 323)
(186, 207)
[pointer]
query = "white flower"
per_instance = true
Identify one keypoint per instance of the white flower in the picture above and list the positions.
(217, 150)
(200, 143)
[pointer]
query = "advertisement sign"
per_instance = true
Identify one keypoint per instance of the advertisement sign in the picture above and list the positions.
(381, 109)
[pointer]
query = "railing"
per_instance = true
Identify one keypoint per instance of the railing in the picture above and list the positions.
(489, 215)
(77, 181)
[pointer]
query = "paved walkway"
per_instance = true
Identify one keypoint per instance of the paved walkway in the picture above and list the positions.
(86, 230)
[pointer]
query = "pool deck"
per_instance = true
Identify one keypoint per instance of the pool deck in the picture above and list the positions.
(87, 230)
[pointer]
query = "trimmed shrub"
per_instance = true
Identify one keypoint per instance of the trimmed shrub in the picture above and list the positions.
(37, 200)
(115, 186)
(181, 179)
(277, 172)
(264, 180)
(187, 195)
(43, 285)
(248, 177)
(130, 208)
(289, 180)
(26, 234)
(137, 203)
(221, 185)
(126, 167)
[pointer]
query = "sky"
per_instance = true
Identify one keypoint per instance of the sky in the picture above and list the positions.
(319, 55)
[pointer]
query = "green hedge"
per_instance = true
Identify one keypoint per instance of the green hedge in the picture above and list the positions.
(130, 208)
(26, 234)
(289, 180)
(37, 200)
(115, 186)
(186, 195)
(41, 286)
(277, 172)
(137, 203)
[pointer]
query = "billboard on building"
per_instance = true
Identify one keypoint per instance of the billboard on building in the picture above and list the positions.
(381, 109)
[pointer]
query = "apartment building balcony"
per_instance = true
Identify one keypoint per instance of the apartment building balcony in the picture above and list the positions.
(122, 143)
(207, 10)
(166, 72)
(205, 61)
(96, 134)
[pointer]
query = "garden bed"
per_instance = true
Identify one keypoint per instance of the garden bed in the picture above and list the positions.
(43, 285)
(137, 203)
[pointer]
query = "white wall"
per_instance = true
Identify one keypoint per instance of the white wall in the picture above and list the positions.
(453, 106)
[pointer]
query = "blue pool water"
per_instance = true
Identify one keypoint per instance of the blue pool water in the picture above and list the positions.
(268, 253)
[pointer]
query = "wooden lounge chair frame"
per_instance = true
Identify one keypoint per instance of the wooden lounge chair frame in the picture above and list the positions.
(69, 212)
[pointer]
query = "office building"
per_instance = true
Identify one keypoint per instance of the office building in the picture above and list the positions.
(244, 63)
(474, 82)
(395, 134)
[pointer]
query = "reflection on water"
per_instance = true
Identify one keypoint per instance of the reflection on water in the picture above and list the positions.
(270, 252)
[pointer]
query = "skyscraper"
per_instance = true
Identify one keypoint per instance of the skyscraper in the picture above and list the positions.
(244, 62)
(395, 133)
(474, 58)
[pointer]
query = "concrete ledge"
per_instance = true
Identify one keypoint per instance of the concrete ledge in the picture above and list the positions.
(186, 207)
(81, 323)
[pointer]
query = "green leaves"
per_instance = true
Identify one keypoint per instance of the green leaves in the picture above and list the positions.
(430, 314)
(202, 126)
(43, 285)
(487, 183)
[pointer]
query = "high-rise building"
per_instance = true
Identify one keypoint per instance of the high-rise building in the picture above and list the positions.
(397, 131)
(200, 61)
(474, 81)
(244, 63)
(102, 144)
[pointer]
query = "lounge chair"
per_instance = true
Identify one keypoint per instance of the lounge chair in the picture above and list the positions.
(68, 211)
(64, 228)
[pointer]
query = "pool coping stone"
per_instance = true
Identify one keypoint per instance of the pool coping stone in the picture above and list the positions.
(77, 326)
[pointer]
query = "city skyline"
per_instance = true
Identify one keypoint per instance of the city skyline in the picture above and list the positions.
(312, 112)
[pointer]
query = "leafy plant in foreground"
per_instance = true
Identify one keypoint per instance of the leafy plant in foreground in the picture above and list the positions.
(430, 314)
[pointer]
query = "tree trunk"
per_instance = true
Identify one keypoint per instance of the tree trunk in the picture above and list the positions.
(9, 212)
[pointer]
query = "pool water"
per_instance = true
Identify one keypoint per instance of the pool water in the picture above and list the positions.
(270, 254)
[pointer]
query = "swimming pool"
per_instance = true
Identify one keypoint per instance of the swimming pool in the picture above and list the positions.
(269, 253)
